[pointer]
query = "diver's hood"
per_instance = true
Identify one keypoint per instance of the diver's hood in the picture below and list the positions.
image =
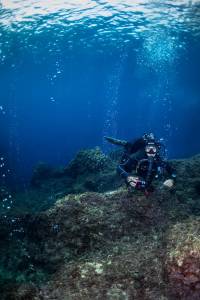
(149, 137)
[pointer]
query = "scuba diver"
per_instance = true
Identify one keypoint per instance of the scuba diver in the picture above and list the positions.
(143, 156)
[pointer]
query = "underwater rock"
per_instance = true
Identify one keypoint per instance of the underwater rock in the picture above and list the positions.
(116, 155)
(100, 182)
(197, 186)
(89, 225)
(89, 161)
(183, 259)
(108, 244)
(103, 246)
(130, 269)
(43, 172)
(26, 291)
(82, 223)
(187, 184)
(90, 170)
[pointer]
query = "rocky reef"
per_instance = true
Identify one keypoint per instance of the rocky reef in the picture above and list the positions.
(93, 239)
(90, 170)
(183, 259)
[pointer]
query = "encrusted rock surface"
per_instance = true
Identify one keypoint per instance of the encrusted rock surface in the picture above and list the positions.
(112, 245)
(183, 259)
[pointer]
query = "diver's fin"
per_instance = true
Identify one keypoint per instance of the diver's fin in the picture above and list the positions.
(115, 141)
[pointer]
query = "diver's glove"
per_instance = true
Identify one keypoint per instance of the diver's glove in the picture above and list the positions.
(169, 183)
(135, 182)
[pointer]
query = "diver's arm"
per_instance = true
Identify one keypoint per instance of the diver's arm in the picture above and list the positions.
(126, 166)
(128, 163)
(132, 181)
(170, 170)
(171, 179)
(121, 170)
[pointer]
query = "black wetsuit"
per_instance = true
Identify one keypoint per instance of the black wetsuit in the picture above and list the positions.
(135, 159)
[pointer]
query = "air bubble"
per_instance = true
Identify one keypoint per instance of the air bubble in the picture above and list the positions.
(52, 99)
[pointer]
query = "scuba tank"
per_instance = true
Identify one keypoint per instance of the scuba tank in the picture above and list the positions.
(115, 141)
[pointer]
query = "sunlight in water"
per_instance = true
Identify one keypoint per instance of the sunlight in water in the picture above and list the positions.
(132, 17)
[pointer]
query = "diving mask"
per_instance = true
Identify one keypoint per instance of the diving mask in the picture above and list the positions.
(151, 149)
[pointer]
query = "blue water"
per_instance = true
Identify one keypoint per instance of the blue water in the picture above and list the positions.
(73, 71)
